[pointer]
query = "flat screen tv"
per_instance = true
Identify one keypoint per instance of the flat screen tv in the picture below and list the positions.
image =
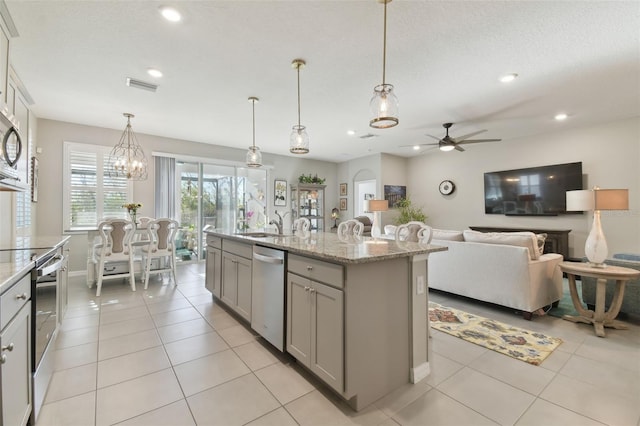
(534, 191)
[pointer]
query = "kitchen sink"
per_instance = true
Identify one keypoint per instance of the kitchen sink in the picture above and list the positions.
(259, 234)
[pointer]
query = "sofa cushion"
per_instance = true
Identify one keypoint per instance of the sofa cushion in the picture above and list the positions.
(447, 234)
(521, 239)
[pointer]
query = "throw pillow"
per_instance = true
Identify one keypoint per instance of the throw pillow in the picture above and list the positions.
(446, 234)
(541, 238)
(520, 239)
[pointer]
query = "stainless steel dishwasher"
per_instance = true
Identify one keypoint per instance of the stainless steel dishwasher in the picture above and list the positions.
(268, 294)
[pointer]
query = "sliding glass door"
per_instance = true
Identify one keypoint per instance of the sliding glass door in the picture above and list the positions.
(216, 196)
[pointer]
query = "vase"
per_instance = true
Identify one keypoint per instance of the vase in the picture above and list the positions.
(132, 215)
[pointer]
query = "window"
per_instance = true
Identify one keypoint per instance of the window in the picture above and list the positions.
(90, 194)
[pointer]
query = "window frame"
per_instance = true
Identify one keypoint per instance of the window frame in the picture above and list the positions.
(99, 151)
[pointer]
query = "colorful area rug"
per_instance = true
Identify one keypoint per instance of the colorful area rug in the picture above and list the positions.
(515, 342)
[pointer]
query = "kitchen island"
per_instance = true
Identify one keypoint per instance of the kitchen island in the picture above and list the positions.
(356, 308)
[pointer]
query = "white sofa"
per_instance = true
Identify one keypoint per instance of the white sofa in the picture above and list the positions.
(502, 268)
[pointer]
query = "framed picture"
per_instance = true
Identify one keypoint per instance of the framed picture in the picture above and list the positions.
(393, 194)
(280, 192)
(34, 179)
(343, 203)
(343, 189)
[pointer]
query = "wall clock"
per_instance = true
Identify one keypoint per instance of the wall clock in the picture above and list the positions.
(446, 187)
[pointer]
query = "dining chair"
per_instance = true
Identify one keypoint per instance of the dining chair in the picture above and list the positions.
(301, 224)
(414, 231)
(161, 234)
(114, 246)
(350, 227)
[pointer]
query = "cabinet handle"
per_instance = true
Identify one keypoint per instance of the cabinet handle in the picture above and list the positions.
(22, 296)
(309, 268)
(3, 359)
(307, 288)
(313, 290)
(9, 347)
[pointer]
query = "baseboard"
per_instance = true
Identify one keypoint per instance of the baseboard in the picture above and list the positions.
(420, 372)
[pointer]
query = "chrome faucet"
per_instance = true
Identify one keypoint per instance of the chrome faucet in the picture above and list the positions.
(278, 223)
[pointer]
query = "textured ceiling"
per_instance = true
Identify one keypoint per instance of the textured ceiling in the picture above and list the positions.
(443, 57)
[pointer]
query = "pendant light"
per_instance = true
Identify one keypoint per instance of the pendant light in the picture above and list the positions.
(299, 139)
(384, 104)
(127, 157)
(254, 156)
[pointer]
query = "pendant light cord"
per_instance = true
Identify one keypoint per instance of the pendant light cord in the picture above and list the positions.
(384, 44)
(253, 108)
(298, 69)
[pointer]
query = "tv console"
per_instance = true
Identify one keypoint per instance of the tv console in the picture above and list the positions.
(557, 239)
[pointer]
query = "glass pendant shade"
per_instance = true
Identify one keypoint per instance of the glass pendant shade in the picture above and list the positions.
(299, 140)
(254, 157)
(384, 107)
(127, 158)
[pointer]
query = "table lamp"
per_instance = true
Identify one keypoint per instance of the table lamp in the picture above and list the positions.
(597, 199)
(377, 206)
(335, 214)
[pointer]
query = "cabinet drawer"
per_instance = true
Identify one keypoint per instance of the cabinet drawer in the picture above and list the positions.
(214, 241)
(317, 270)
(13, 299)
(241, 249)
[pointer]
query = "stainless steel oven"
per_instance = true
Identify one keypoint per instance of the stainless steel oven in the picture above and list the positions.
(44, 319)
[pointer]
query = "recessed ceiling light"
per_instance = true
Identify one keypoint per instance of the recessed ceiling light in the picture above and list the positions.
(508, 78)
(351, 132)
(154, 72)
(416, 147)
(561, 116)
(170, 14)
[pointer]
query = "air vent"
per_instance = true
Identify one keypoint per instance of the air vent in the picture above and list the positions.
(132, 82)
(368, 136)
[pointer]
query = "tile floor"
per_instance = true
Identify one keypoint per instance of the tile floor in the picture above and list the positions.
(171, 356)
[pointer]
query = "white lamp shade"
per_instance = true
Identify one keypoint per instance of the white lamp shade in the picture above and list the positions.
(378, 205)
(611, 199)
(581, 200)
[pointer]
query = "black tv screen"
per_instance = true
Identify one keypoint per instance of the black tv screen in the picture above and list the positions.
(534, 191)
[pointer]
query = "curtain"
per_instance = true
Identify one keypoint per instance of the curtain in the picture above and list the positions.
(165, 187)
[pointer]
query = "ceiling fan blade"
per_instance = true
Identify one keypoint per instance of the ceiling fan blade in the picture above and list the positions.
(459, 148)
(467, 136)
(480, 140)
(434, 137)
(417, 144)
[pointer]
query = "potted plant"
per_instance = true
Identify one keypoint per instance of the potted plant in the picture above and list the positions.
(310, 179)
(408, 212)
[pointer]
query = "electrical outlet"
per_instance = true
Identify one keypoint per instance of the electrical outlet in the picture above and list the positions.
(420, 284)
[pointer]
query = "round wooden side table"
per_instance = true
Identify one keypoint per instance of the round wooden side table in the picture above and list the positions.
(599, 318)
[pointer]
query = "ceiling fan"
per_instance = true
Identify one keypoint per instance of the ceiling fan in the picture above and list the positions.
(448, 143)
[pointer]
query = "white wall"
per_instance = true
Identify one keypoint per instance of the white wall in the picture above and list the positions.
(52, 134)
(610, 155)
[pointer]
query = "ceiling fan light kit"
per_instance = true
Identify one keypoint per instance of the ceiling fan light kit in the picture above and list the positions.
(254, 156)
(384, 104)
(299, 139)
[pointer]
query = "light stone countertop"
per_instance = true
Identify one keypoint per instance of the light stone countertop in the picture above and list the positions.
(329, 246)
(16, 256)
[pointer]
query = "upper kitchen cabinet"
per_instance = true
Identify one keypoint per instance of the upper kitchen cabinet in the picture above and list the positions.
(15, 128)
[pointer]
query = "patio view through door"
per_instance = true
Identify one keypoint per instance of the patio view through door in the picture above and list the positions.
(216, 196)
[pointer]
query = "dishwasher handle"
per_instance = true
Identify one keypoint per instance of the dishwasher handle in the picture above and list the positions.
(268, 259)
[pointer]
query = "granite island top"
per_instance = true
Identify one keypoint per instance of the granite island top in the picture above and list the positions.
(331, 247)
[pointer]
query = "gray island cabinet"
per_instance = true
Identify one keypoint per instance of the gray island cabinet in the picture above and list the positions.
(356, 310)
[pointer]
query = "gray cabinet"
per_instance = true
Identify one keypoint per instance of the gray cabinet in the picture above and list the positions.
(213, 281)
(15, 359)
(315, 319)
(236, 277)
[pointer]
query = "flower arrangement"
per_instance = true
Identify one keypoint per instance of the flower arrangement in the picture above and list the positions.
(132, 207)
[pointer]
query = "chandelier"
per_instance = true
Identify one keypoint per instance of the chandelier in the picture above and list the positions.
(384, 104)
(299, 139)
(127, 157)
(254, 157)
